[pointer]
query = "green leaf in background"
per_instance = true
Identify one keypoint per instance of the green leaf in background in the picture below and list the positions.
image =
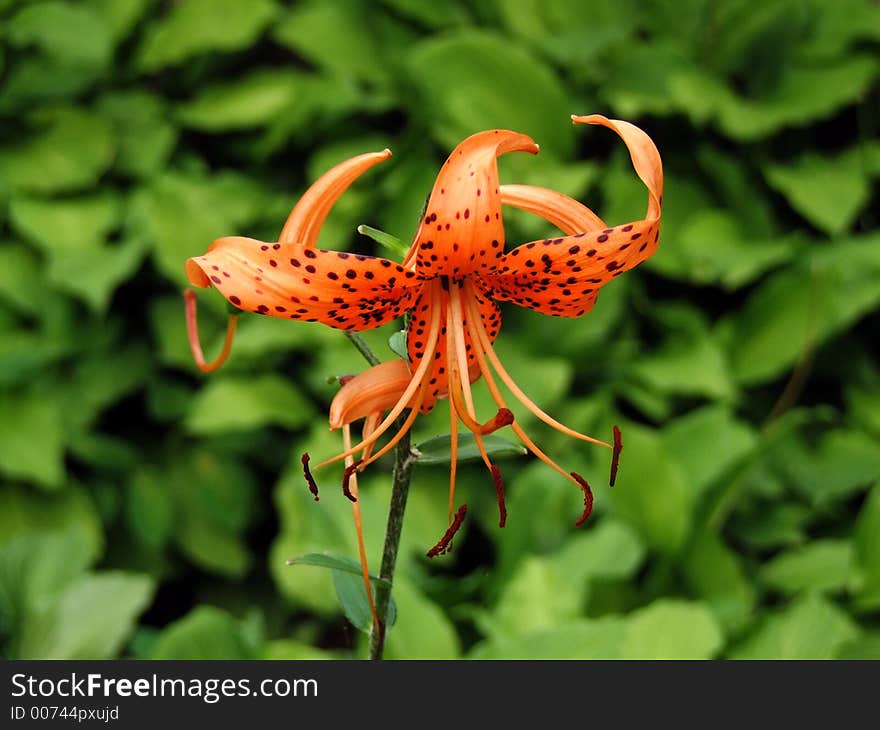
(422, 631)
(213, 508)
(827, 191)
(715, 573)
(354, 53)
(69, 33)
(689, 362)
(867, 550)
(570, 31)
(672, 629)
(539, 595)
(119, 16)
(809, 628)
(32, 440)
(19, 277)
(804, 94)
(460, 102)
(150, 509)
(552, 589)
(707, 441)
(437, 450)
(822, 566)
(251, 101)
(652, 491)
(667, 629)
(67, 225)
(801, 307)
(236, 404)
(202, 26)
(204, 633)
(736, 256)
(181, 214)
(91, 618)
(70, 151)
(145, 135)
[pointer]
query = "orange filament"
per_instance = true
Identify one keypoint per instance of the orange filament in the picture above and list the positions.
(484, 343)
(407, 425)
(192, 331)
(418, 380)
(310, 480)
(480, 337)
(459, 385)
(359, 527)
(453, 458)
(443, 545)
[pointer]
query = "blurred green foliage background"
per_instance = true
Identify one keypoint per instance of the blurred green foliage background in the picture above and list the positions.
(147, 511)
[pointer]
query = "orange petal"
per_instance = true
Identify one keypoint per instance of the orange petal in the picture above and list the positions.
(372, 391)
(644, 154)
(307, 217)
(462, 229)
(566, 213)
(291, 281)
(561, 277)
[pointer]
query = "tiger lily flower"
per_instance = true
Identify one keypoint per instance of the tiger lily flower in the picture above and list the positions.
(451, 282)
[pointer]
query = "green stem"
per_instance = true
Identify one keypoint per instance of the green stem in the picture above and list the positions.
(363, 348)
(400, 479)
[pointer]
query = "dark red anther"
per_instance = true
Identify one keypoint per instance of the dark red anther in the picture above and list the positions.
(499, 490)
(503, 418)
(441, 546)
(343, 379)
(346, 478)
(615, 455)
(588, 498)
(313, 486)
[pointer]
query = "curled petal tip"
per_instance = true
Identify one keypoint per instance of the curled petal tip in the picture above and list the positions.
(195, 275)
(387, 152)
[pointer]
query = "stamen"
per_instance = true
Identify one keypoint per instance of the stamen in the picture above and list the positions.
(441, 546)
(359, 528)
(453, 457)
(192, 331)
(475, 322)
(499, 490)
(346, 478)
(401, 432)
(313, 485)
(615, 456)
(418, 378)
(517, 429)
(588, 498)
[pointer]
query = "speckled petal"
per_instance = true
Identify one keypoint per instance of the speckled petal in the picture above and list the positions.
(341, 290)
(561, 277)
(462, 230)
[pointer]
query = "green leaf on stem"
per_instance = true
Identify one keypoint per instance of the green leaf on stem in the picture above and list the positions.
(437, 450)
(392, 243)
(349, 584)
(397, 343)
